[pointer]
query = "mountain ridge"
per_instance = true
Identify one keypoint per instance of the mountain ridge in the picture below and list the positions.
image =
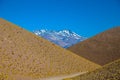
(63, 38)
(102, 48)
(25, 54)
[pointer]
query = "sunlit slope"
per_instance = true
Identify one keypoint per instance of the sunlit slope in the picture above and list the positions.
(102, 48)
(25, 54)
(108, 72)
(3, 76)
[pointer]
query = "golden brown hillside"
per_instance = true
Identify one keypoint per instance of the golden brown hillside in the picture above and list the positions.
(110, 71)
(102, 48)
(24, 54)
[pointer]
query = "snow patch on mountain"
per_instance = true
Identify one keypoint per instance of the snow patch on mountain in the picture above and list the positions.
(63, 38)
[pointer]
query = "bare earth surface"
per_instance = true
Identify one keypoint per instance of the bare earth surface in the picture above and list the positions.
(102, 48)
(63, 77)
(110, 71)
(25, 55)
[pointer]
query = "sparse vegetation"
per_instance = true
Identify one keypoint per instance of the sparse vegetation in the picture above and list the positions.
(28, 55)
(3, 76)
(102, 48)
(108, 72)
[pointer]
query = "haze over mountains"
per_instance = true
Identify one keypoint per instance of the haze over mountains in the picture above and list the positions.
(102, 48)
(63, 38)
(25, 56)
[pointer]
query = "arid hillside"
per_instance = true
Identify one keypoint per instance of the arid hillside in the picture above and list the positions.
(110, 71)
(102, 48)
(24, 55)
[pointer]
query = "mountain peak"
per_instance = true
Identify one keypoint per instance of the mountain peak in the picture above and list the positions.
(67, 31)
(25, 56)
(64, 38)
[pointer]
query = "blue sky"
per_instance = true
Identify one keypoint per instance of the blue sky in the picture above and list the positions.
(85, 17)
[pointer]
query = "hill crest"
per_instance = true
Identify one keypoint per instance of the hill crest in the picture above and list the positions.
(25, 54)
(102, 48)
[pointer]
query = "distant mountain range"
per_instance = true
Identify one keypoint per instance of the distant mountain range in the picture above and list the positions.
(63, 38)
(25, 56)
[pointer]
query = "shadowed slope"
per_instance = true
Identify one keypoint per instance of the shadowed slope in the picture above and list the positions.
(108, 72)
(102, 48)
(25, 54)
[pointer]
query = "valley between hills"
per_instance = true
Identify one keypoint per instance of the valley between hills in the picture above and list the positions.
(26, 56)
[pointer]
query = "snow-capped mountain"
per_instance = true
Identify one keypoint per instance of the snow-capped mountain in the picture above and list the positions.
(63, 38)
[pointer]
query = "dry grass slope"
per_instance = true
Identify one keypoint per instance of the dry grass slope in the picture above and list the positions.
(3, 76)
(108, 72)
(25, 54)
(102, 48)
